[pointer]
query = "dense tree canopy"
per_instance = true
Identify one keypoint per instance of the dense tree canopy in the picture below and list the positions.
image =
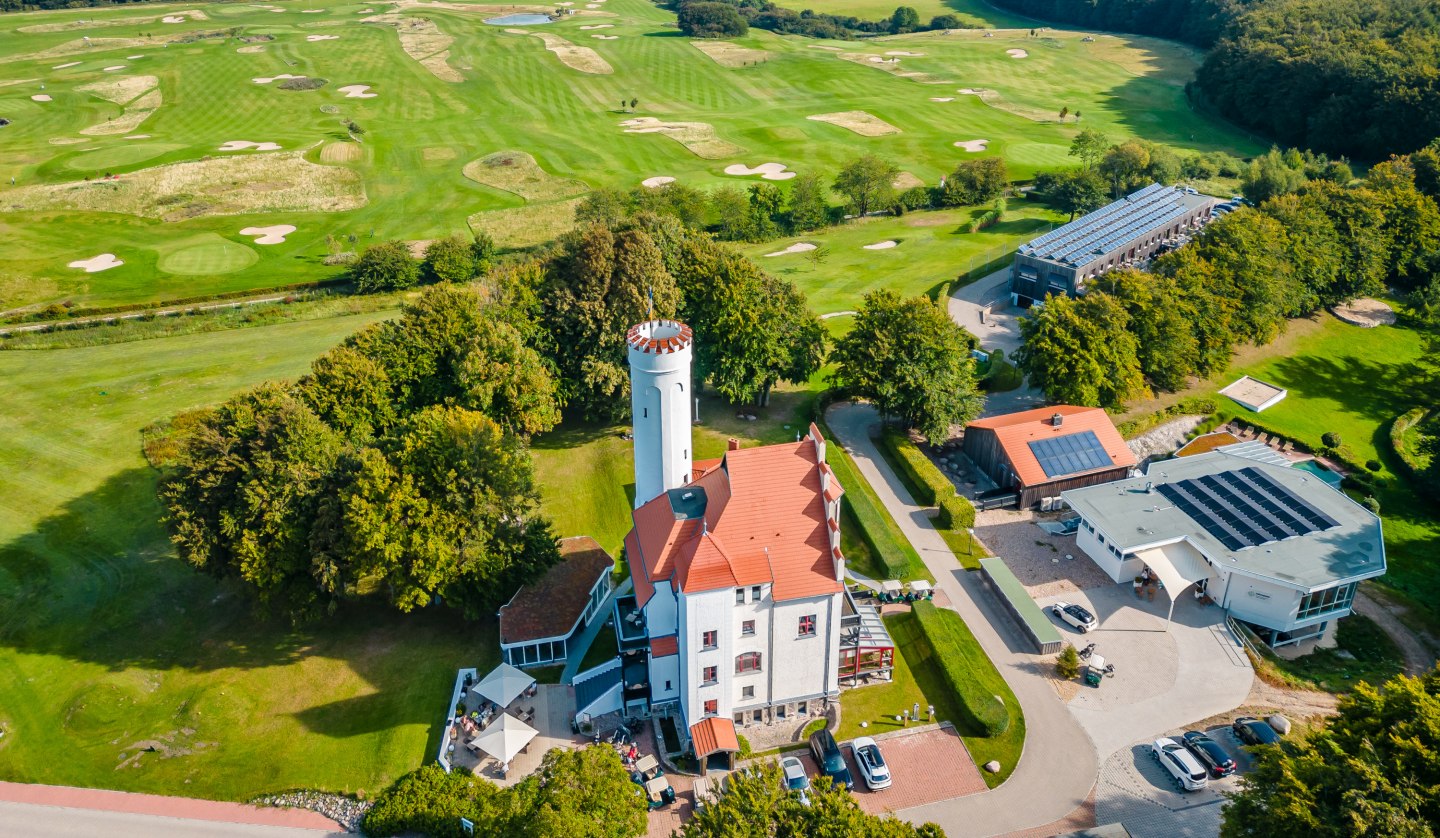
(912, 361)
(868, 184)
(387, 266)
(711, 20)
(1373, 770)
(1080, 351)
(974, 182)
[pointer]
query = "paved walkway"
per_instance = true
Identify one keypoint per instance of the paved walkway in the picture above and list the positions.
(983, 309)
(66, 811)
(1058, 767)
(581, 644)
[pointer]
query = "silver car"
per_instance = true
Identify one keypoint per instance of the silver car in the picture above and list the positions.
(796, 779)
(871, 763)
(1182, 765)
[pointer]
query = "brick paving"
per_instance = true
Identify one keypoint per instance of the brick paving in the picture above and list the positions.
(172, 807)
(1082, 818)
(925, 767)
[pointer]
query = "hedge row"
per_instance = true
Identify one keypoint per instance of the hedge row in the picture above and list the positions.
(932, 486)
(1398, 443)
(966, 669)
(879, 534)
(100, 311)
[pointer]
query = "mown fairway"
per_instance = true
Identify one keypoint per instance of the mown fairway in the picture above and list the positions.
(505, 91)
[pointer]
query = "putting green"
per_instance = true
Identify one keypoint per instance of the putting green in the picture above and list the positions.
(207, 254)
(1038, 155)
(119, 156)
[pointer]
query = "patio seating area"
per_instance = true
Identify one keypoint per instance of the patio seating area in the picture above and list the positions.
(505, 742)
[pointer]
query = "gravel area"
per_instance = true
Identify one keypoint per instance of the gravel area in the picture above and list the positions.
(1163, 439)
(345, 811)
(1037, 558)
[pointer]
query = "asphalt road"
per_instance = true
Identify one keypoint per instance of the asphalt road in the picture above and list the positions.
(28, 820)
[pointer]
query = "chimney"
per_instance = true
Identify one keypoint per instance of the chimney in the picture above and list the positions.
(1057, 420)
(732, 444)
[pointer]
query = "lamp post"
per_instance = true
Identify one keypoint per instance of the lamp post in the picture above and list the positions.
(971, 548)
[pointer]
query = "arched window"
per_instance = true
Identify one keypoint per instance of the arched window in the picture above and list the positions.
(748, 662)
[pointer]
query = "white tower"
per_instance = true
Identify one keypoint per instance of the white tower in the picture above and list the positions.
(660, 405)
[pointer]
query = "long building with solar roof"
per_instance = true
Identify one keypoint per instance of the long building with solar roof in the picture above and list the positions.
(1275, 546)
(1127, 231)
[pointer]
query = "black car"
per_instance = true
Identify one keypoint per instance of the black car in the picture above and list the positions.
(832, 763)
(1210, 754)
(1254, 731)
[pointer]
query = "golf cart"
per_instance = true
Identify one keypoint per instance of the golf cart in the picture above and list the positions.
(650, 776)
(1096, 669)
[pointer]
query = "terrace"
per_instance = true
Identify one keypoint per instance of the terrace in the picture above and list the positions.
(630, 624)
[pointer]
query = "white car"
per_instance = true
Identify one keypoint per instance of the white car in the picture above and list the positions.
(1182, 765)
(796, 779)
(871, 763)
(1076, 616)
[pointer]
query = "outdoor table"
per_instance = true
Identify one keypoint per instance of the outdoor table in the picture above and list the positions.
(646, 764)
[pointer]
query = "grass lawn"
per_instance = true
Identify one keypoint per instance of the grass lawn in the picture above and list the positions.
(861, 501)
(1364, 653)
(917, 680)
(968, 552)
(603, 649)
(421, 130)
(108, 642)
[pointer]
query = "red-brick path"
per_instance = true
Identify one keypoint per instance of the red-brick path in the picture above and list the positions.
(924, 767)
(172, 807)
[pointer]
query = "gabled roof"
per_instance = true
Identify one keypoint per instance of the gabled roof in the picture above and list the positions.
(757, 517)
(1016, 431)
(712, 735)
(551, 605)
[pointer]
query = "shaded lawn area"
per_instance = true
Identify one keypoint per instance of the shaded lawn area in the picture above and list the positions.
(603, 649)
(917, 680)
(1364, 653)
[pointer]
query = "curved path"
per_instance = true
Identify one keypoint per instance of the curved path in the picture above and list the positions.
(1059, 765)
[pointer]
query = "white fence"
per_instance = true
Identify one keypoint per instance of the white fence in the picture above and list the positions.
(443, 757)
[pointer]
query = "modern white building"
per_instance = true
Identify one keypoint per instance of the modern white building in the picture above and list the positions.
(737, 566)
(1275, 546)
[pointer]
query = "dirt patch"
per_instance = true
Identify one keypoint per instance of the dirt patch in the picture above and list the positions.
(1307, 706)
(698, 137)
(1366, 312)
(862, 123)
(584, 59)
(67, 140)
(437, 154)
(135, 113)
(418, 247)
(517, 172)
(906, 180)
(340, 152)
(122, 90)
(194, 188)
(176, 743)
(526, 226)
(727, 54)
(423, 41)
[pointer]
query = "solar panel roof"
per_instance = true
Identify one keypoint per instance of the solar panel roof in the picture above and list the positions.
(1070, 454)
(1245, 508)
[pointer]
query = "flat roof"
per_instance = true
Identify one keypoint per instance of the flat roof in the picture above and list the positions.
(1105, 230)
(1135, 514)
(552, 605)
(1039, 625)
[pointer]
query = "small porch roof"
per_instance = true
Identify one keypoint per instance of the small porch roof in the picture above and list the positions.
(713, 735)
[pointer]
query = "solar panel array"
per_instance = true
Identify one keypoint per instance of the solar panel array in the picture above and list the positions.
(1245, 508)
(1070, 454)
(1109, 227)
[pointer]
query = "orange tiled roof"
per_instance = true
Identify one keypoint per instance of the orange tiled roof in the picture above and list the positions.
(712, 735)
(699, 467)
(1015, 432)
(764, 521)
(662, 646)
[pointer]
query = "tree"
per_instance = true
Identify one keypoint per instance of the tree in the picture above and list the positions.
(387, 266)
(808, 208)
(975, 182)
(451, 259)
(634, 103)
(711, 20)
(756, 804)
(730, 208)
(912, 360)
(767, 206)
(1269, 176)
(1076, 191)
(1067, 666)
(1125, 166)
(1370, 771)
(905, 19)
(1080, 351)
(482, 252)
(1090, 146)
(868, 184)
(1167, 347)
(1064, 112)
(942, 22)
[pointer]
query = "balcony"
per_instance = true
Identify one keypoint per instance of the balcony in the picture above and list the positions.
(630, 624)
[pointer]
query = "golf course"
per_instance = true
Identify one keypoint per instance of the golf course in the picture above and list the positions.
(159, 152)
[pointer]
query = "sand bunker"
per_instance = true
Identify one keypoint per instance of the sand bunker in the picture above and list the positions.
(251, 50)
(94, 23)
(878, 59)
(269, 79)
(66, 64)
(885, 245)
(798, 247)
(116, 67)
(1017, 53)
(225, 185)
(657, 181)
(172, 19)
(41, 97)
(973, 145)
(133, 57)
(860, 122)
(314, 38)
(137, 137)
(241, 145)
(822, 46)
(606, 37)
(311, 11)
(768, 171)
(903, 52)
(727, 54)
(584, 59)
(889, 65)
(67, 140)
(274, 234)
(698, 137)
(942, 98)
(598, 26)
(95, 264)
(517, 172)
(1366, 312)
(358, 91)
(423, 41)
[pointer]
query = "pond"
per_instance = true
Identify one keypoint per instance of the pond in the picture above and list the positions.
(519, 20)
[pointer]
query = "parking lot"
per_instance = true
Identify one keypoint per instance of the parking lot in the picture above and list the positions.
(925, 767)
(1134, 789)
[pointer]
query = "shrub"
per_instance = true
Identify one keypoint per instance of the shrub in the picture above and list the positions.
(1371, 504)
(965, 669)
(711, 20)
(431, 802)
(914, 198)
(450, 259)
(1372, 465)
(54, 311)
(745, 751)
(387, 266)
(1330, 439)
(1401, 444)
(814, 726)
(956, 512)
(929, 483)
(302, 83)
(1067, 666)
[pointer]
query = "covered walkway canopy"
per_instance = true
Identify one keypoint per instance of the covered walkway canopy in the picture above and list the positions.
(714, 735)
(503, 684)
(1179, 565)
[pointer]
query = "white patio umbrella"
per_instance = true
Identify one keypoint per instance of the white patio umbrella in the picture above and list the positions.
(503, 684)
(504, 738)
